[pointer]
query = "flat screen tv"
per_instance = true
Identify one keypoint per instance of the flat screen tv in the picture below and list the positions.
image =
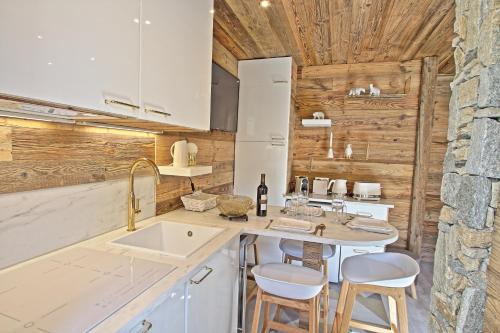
(224, 102)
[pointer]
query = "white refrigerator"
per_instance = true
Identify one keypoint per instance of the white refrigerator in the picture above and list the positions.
(262, 136)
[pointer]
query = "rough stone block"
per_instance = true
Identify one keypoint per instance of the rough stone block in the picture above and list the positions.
(489, 87)
(475, 238)
(489, 35)
(447, 215)
(474, 195)
(471, 314)
(468, 92)
(449, 160)
(495, 194)
(484, 155)
(453, 115)
(449, 189)
(487, 113)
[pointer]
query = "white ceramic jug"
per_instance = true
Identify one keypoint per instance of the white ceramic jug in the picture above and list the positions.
(179, 153)
(339, 186)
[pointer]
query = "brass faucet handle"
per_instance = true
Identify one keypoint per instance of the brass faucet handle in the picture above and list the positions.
(137, 208)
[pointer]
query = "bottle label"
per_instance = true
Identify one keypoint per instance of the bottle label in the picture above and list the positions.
(263, 206)
(263, 197)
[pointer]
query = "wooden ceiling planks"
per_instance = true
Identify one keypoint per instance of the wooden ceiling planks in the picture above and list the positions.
(323, 32)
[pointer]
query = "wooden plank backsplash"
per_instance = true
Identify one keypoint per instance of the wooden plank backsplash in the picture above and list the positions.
(386, 125)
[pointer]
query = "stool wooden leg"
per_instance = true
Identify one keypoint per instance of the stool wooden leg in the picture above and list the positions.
(256, 314)
(340, 307)
(326, 297)
(349, 305)
(265, 324)
(402, 311)
(413, 291)
(313, 316)
(393, 313)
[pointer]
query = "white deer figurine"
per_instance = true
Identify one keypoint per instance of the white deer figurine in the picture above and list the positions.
(356, 91)
(374, 91)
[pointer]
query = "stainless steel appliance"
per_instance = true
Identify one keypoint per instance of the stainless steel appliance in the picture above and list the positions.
(301, 184)
(367, 191)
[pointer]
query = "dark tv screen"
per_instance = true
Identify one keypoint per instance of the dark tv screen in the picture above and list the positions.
(224, 101)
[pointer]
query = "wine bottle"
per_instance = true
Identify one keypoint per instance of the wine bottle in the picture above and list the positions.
(262, 196)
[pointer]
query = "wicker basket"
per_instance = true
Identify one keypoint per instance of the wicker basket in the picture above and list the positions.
(199, 202)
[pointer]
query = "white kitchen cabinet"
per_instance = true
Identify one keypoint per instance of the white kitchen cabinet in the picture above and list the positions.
(212, 293)
(80, 52)
(166, 317)
(264, 100)
(176, 62)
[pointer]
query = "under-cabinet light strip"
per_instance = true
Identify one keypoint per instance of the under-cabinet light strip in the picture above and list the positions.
(25, 116)
(117, 127)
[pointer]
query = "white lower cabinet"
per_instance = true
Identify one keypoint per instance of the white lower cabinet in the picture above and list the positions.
(206, 302)
(166, 317)
(212, 292)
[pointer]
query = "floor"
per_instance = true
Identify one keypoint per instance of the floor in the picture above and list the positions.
(373, 308)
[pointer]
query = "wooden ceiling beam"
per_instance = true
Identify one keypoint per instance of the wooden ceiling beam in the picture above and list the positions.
(252, 17)
(340, 29)
(434, 16)
(229, 43)
(232, 25)
(299, 31)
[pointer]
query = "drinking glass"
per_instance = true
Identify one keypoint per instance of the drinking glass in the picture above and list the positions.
(339, 210)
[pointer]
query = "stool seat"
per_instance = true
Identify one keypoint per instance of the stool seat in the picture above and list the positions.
(289, 281)
(295, 248)
(393, 270)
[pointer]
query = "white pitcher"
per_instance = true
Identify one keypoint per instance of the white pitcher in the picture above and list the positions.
(179, 153)
(339, 186)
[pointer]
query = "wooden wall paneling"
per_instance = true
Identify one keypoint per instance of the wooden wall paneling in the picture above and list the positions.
(48, 155)
(438, 148)
(492, 313)
(423, 152)
(224, 58)
(214, 148)
(5, 144)
(386, 124)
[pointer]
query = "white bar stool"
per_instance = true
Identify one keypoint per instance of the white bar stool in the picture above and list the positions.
(294, 250)
(290, 286)
(382, 273)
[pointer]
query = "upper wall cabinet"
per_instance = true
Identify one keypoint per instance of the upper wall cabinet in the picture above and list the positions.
(83, 53)
(176, 60)
(146, 59)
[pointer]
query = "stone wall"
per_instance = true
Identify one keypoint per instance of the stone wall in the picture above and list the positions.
(471, 169)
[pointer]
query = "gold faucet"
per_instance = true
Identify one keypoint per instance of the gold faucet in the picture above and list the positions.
(133, 204)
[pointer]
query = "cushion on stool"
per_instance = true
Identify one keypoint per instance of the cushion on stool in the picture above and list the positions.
(394, 270)
(295, 248)
(289, 281)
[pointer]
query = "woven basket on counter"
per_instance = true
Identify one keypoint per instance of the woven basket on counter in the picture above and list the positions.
(234, 205)
(199, 201)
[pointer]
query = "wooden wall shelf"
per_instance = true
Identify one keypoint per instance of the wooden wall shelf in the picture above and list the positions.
(316, 122)
(192, 171)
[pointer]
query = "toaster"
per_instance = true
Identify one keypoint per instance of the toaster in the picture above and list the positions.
(367, 191)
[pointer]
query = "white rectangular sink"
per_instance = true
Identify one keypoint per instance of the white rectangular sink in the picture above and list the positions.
(169, 238)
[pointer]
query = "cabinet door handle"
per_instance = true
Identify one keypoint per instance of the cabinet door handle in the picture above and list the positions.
(146, 326)
(113, 101)
(277, 137)
(365, 214)
(209, 270)
(277, 144)
(163, 113)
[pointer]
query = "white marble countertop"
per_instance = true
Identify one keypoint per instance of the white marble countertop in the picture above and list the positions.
(335, 233)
